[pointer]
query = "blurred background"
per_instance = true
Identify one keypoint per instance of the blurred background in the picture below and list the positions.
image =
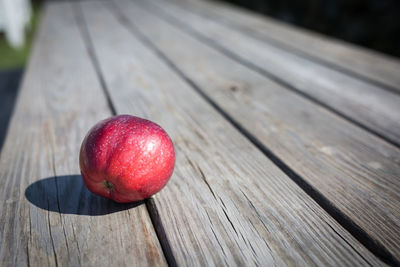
(370, 23)
(18, 22)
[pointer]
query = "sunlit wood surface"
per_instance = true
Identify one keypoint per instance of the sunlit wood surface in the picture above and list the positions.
(287, 142)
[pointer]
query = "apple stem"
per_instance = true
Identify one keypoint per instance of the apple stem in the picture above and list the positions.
(108, 185)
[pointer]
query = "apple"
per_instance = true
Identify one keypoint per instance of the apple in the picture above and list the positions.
(126, 158)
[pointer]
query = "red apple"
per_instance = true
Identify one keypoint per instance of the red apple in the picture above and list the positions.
(126, 158)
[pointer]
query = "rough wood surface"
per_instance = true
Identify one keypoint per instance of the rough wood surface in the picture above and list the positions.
(48, 217)
(354, 60)
(356, 171)
(226, 203)
(362, 102)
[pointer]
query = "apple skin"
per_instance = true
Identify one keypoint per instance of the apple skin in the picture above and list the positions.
(126, 158)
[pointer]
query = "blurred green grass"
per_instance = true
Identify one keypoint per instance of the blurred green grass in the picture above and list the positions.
(11, 58)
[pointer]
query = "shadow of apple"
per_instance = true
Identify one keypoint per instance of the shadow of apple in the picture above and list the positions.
(68, 195)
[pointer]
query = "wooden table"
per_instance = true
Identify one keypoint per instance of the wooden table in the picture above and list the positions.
(287, 142)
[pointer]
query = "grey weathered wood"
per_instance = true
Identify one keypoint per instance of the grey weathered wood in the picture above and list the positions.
(352, 59)
(47, 216)
(365, 103)
(356, 171)
(226, 203)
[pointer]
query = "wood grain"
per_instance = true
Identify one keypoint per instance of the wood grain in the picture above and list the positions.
(357, 61)
(48, 217)
(226, 204)
(361, 102)
(354, 170)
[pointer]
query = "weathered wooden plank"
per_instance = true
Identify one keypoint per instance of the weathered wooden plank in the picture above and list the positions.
(226, 203)
(361, 102)
(356, 171)
(354, 60)
(48, 217)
